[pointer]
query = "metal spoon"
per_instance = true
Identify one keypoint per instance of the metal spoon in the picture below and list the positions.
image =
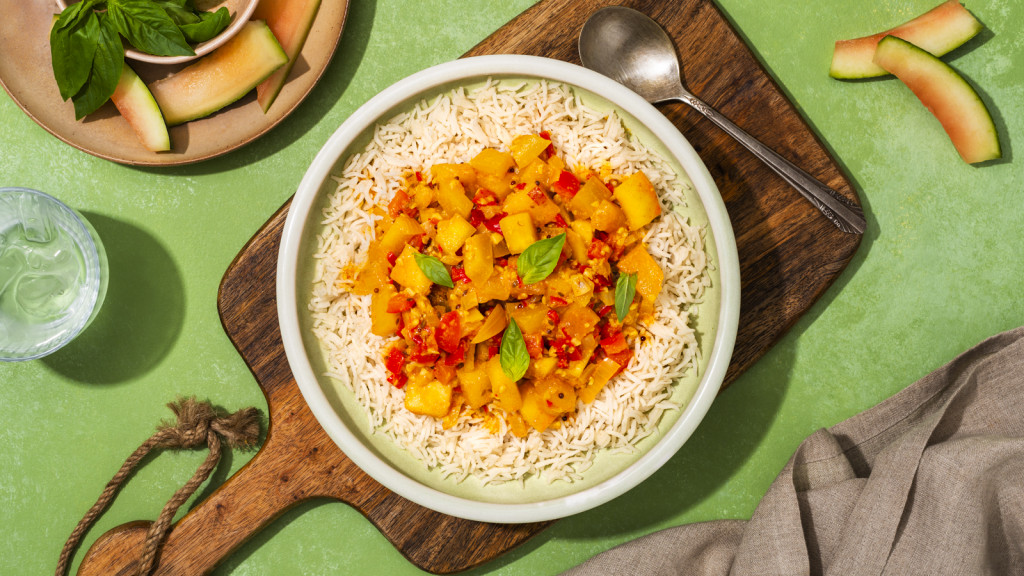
(631, 48)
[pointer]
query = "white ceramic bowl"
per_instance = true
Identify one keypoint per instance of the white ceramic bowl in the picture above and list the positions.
(340, 414)
(240, 11)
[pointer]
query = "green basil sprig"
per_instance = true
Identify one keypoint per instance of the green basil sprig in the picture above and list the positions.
(86, 49)
(148, 27)
(515, 358)
(73, 41)
(434, 269)
(625, 289)
(539, 259)
(209, 25)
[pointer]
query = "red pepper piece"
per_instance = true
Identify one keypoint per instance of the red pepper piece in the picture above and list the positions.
(494, 345)
(567, 184)
(565, 350)
(400, 303)
(494, 224)
(622, 358)
(444, 372)
(392, 258)
(534, 345)
(553, 317)
(605, 311)
(598, 250)
(459, 274)
(476, 217)
(558, 301)
(615, 344)
(423, 358)
(601, 283)
(560, 222)
(398, 380)
(537, 195)
(395, 361)
(449, 332)
(456, 357)
(398, 203)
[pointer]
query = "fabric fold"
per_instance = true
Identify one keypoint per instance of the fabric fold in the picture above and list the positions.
(930, 481)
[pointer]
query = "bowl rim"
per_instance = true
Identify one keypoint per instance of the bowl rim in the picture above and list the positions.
(201, 49)
(482, 67)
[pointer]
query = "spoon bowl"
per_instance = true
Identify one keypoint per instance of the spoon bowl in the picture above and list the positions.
(634, 50)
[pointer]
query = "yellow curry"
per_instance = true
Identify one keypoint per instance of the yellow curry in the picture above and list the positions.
(514, 286)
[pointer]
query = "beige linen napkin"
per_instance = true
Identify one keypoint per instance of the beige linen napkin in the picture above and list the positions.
(930, 482)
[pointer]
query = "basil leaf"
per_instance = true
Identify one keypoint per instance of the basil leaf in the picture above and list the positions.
(539, 259)
(74, 13)
(515, 359)
(107, 64)
(72, 49)
(179, 14)
(625, 289)
(68, 17)
(148, 28)
(433, 268)
(209, 25)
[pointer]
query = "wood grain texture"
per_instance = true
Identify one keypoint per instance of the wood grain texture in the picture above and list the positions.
(789, 254)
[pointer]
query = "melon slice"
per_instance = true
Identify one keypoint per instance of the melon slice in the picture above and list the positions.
(939, 31)
(221, 77)
(946, 94)
(135, 102)
(290, 21)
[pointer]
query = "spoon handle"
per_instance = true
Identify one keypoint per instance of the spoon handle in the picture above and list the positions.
(845, 215)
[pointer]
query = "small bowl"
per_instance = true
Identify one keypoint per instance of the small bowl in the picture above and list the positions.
(344, 419)
(240, 11)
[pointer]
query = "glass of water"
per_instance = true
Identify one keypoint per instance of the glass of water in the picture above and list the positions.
(52, 274)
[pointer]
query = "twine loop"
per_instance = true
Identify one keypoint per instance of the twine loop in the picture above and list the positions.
(197, 424)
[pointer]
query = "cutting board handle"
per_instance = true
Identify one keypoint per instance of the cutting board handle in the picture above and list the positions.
(277, 478)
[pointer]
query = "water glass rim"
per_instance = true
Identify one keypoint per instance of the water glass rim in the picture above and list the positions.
(87, 240)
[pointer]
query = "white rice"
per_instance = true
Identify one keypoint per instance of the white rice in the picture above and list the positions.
(454, 128)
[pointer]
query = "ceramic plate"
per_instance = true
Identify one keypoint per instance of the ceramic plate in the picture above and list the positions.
(344, 418)
(28, 78)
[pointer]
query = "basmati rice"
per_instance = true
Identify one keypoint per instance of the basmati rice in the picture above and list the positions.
(453, 128)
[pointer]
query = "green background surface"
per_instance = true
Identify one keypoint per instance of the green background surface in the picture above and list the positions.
(938, 270)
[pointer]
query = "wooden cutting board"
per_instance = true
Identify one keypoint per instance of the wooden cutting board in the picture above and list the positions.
(789, 254)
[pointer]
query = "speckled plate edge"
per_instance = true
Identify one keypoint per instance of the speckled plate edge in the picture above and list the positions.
(370, 461)
(28, 80)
